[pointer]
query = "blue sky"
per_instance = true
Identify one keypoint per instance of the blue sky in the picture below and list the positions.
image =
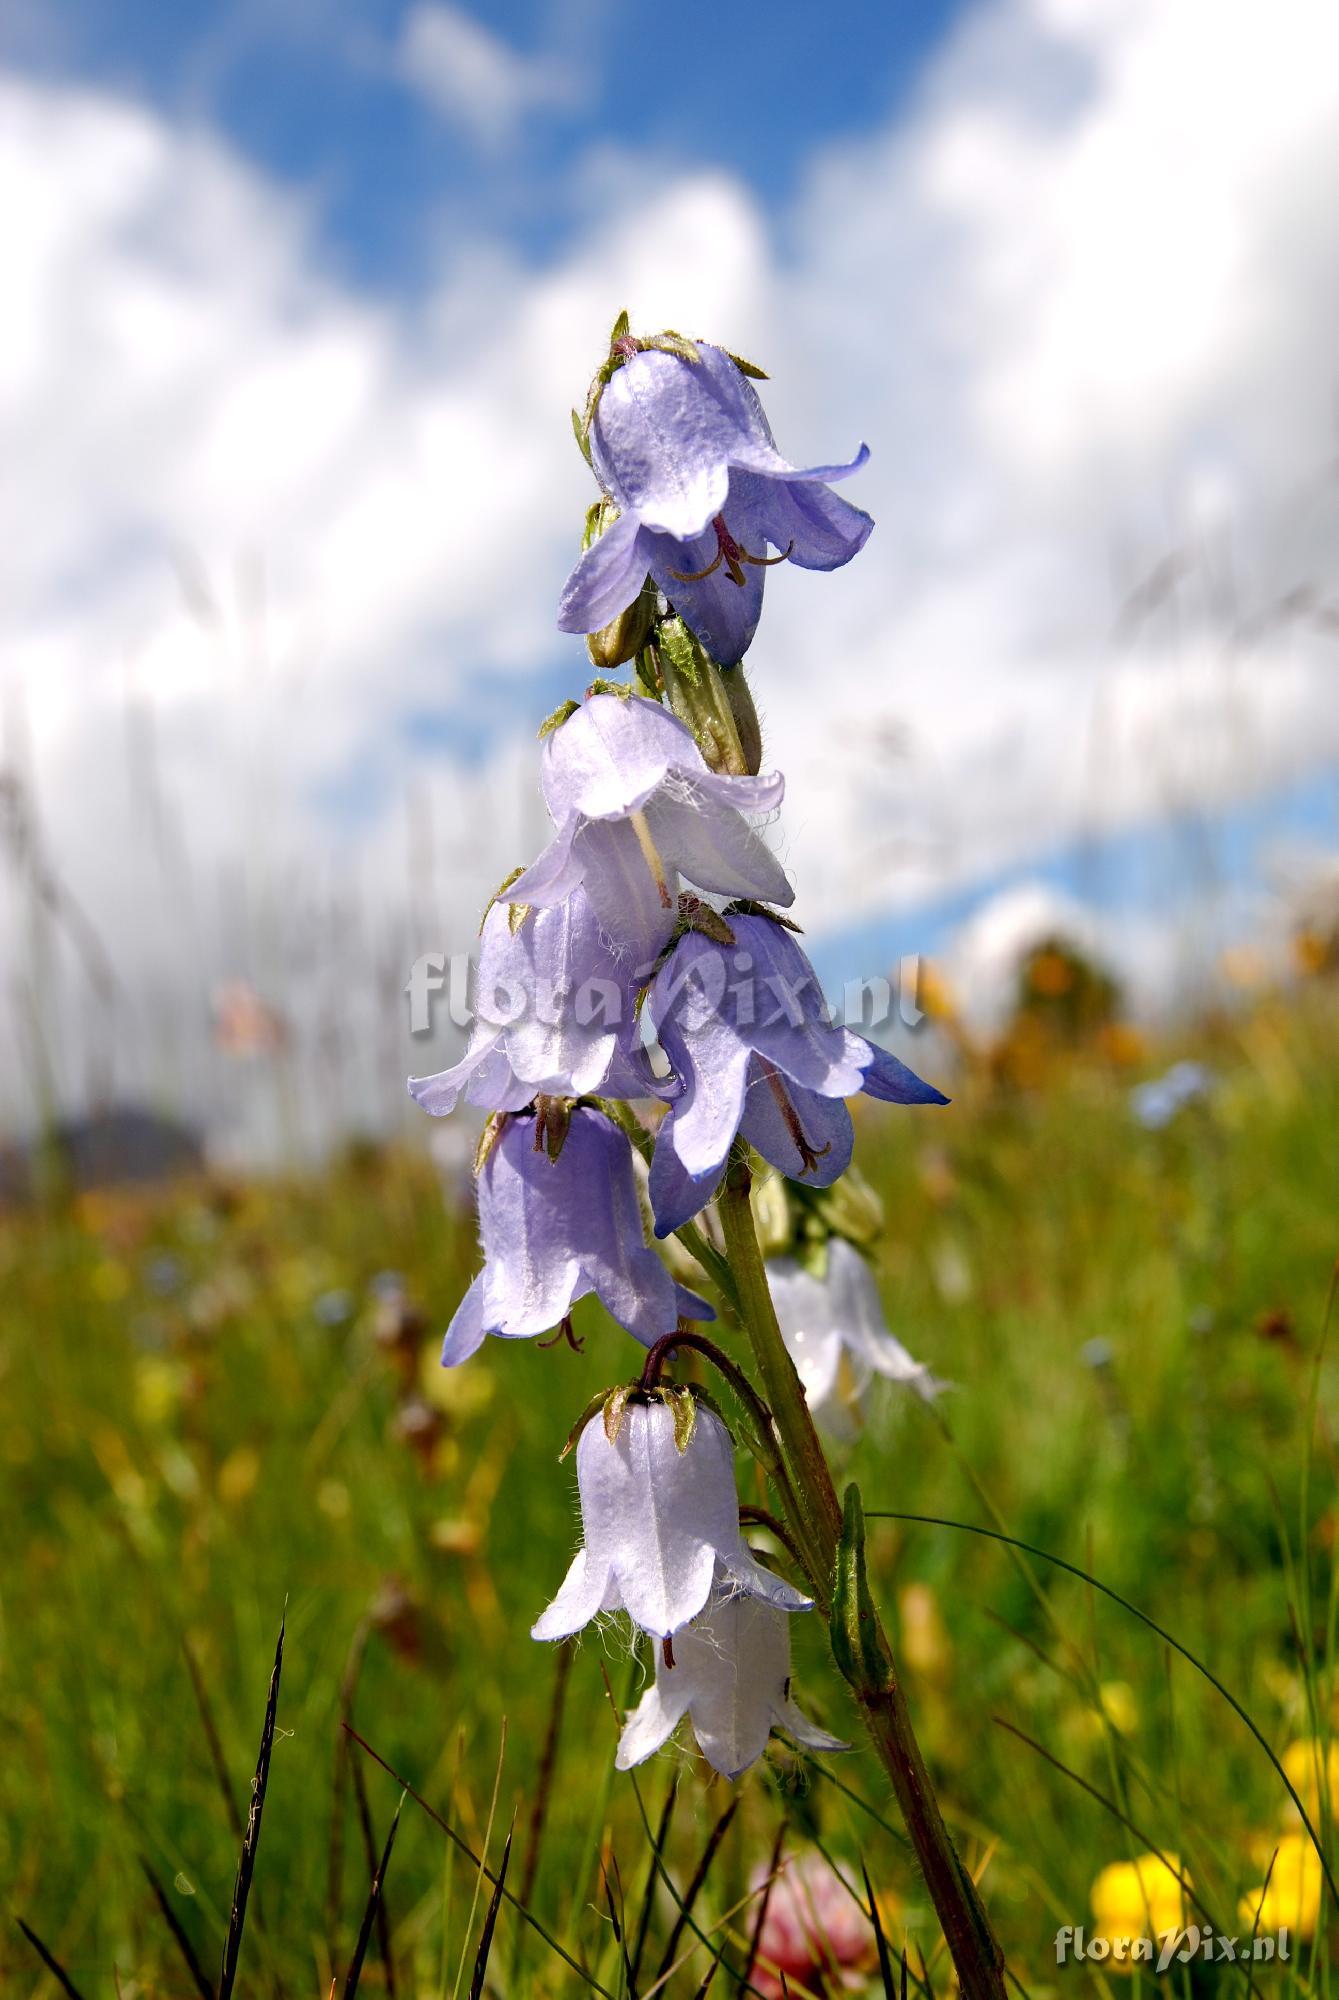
(309, 90)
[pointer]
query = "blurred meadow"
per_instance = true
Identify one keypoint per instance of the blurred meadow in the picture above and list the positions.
(297, 301)
(223, 1407)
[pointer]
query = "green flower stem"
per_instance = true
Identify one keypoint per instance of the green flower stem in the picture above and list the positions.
(878, 1692)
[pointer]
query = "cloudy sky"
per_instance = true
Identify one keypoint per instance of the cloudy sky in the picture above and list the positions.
(297, 297)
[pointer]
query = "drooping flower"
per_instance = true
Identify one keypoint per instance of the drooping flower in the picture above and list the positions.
(636, 806)
(554, 1014)
(555, 1229)
(730, 1674)
(814, 1932)
(685, 452)
(660, 1524)
(840, 1315)
(750, 1041)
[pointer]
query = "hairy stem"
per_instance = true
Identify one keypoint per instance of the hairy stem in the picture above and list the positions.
(818, 1529)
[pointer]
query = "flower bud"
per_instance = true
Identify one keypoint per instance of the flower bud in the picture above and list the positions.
(697, 692)
(624, 636)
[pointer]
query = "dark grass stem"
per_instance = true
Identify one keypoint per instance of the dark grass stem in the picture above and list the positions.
(53, 1965)
(199, 1977)
(375, 1902)
(246, 1862)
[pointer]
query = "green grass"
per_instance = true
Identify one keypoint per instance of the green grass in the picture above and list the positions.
(192, 1440)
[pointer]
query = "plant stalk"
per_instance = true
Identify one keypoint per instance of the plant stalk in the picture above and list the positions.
(967, 1932)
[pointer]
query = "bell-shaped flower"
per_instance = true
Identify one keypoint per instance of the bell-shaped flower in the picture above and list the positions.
(554, 1230)
(729, 1672)
(839, 1317)
(754, 1051)
(660, 1523)
(636, 806)
(684, 451)
(555, 1015)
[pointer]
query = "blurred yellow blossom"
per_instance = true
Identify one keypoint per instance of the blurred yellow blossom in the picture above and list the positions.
(926, 1646)
(158, 1384)
(109, 1281)
(1119, 1706)
(1292, 1894)
(1138, 1898)
(1304, 1762)
(237, 1475)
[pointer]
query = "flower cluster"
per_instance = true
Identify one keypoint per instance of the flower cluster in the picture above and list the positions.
(640, 992)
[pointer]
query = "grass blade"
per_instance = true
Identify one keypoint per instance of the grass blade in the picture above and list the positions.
(246, 1861)
(490, 1924)
(755, 1936)
(1095, 1583)
(657, 1855)
(881, 1942)
(694, 1889)
(370, 1851)
(355, 1971)
(547, 1763)
(458, 1841)
(57, 1971)
(183, 1943)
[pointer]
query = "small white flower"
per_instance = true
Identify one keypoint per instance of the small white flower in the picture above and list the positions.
(821, 1317)
(731, 1677)
(660, 1525)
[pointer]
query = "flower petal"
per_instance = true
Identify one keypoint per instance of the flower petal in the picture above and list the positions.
(606, 577)
(715, 847)
(824, 1121)
(438, 1095)
(723, 614)
(609, 756)
(466, 1332)
(818, 529)
(661, 443)
(654, 1720)
(890, 1080)
(580, 1595)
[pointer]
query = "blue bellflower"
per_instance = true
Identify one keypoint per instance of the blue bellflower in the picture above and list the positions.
(554, 1230)
(754, 1051)
(685, 453)
(554, 1014)
(636, 806)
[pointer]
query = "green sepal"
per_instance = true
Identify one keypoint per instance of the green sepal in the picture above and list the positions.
(574, 1435)
(488, 1139)
(682, 650)
(602, 686)
(595, 523)
(579, 431)
(499, 895)
(670, 342)
(553, 1120)
(858, 1644)
(621, 328)
(561, 714)
(749, 368)
(614, 1408)
(679, 1400)
(744, 906)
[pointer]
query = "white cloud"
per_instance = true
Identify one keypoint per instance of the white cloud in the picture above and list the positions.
(473, 77)
(1081, 299)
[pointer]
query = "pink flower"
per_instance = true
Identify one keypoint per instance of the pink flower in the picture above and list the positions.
(814, 1931)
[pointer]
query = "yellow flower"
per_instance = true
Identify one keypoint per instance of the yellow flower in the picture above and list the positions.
(1293, 1893)
(1139, 1898)
(1304, 1761)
